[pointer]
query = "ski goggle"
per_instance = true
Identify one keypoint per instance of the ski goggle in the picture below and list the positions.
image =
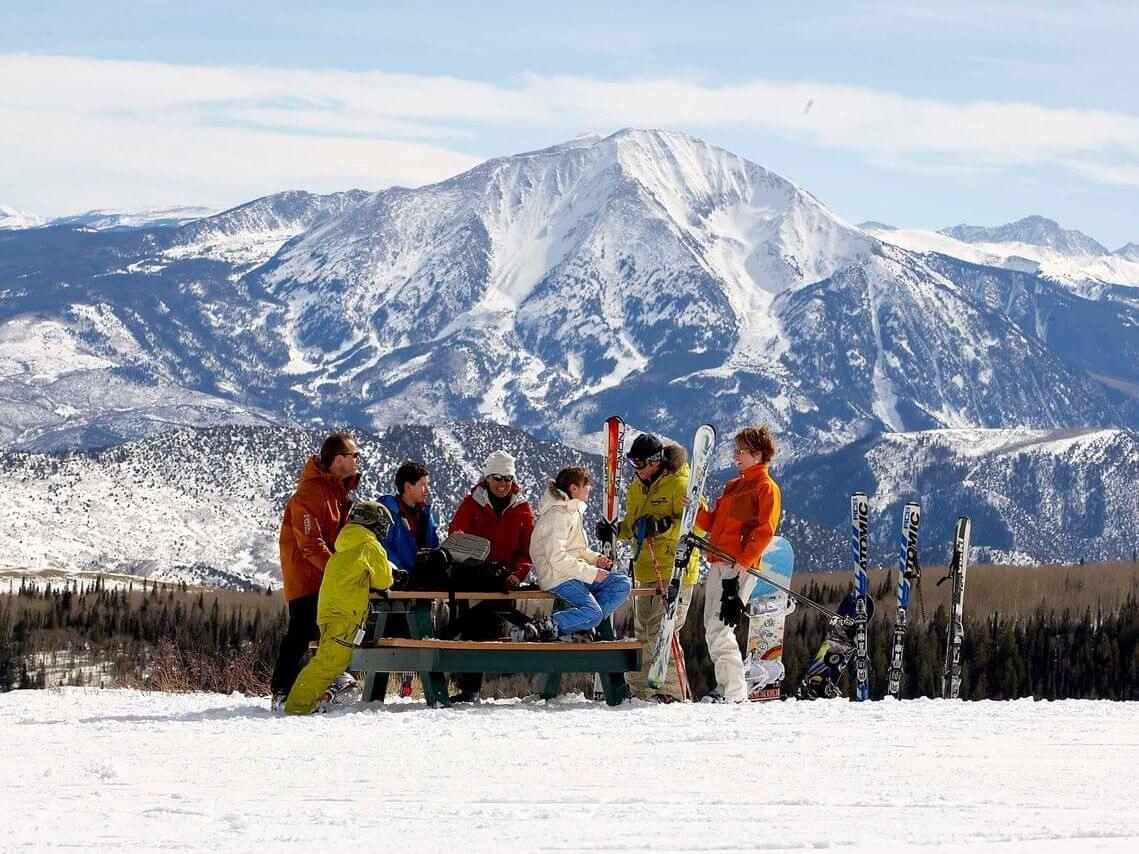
(647, 461)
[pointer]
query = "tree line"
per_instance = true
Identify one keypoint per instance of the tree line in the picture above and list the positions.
(177, 638)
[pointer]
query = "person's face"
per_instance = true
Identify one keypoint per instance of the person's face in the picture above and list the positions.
(745, 459)
(499, 484)
(346, 464)
(416, 493)
(581, 493)
(648, 471)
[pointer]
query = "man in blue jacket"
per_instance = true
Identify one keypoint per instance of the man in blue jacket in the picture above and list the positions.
(415, 525)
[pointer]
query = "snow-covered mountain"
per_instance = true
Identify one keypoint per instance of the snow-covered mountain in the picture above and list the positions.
(1032, 230)
(149, 217)
(1032, 245)
(1033, 495)
(11, 218)
(1129, 252)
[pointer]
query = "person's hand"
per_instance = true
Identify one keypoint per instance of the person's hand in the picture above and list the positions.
(603, 562)
(731, 608)
(400, 578)
(513, 582)
(601, 576)
(657, 525)
(604, 530)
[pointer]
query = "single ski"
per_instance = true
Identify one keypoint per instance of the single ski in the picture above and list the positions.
(951, 674)
(611, 502)
(702, 445)
(768, 608)
(859, 533)
(909, 570)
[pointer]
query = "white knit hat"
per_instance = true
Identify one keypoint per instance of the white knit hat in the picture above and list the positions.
(500, 463)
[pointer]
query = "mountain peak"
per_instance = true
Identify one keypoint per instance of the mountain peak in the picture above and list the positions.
(1130, 251)
(11, 218)
(1034, 230)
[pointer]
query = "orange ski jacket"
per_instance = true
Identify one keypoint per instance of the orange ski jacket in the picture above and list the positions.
(745, 516)
(313, 517)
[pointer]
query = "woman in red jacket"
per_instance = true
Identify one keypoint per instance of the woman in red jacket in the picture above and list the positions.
(742, 524)
(495, 510)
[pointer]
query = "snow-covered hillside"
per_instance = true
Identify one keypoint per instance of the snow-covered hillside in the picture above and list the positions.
(148, 217)
(1033, 495)
(12, 218)
(1033, 244)
(123, 769)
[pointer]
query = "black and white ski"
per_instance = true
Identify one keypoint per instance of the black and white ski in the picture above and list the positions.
(859, 534)
(951, 674)
(909, 573)
(702, 446)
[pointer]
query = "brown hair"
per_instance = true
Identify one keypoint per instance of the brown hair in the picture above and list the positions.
(334, 446)
(572, 476)
(409, 472)
(758, 441)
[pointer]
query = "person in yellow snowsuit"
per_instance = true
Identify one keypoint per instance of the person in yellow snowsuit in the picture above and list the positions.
(358, 566)
(654, 503)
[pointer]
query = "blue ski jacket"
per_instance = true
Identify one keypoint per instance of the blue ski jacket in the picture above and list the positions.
(400, 543)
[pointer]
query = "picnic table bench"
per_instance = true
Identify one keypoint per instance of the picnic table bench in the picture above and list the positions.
(432, 658)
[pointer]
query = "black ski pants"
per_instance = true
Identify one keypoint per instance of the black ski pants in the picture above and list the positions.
(294, 645)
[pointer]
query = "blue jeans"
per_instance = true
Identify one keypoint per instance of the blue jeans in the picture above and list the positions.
(589, 604)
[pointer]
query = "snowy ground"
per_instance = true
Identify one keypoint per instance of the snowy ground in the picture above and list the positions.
(121, 769)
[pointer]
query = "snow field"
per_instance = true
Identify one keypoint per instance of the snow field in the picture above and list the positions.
(124, 769)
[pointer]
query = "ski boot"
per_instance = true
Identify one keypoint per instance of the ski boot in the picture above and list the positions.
(539, 629)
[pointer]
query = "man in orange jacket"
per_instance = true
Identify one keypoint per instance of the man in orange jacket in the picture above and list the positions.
(313, 517)
(742, 523)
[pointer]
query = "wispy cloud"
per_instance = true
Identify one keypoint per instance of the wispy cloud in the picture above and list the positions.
(227, 132)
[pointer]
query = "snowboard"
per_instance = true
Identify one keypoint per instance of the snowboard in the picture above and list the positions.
(768, 608)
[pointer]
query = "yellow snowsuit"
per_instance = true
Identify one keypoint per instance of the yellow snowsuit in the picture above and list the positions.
(359, 565)
(663, 497)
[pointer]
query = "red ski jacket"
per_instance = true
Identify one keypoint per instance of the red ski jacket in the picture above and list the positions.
(509, 534)
(313, 517)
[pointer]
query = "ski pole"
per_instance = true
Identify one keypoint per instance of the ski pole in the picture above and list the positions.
(704, 545)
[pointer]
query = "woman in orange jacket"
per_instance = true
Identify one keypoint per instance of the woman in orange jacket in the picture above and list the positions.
(742, 524)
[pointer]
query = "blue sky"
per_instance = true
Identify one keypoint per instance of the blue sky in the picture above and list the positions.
(918, 115)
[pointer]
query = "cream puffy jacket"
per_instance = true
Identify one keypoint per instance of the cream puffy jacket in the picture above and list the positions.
(558, 547)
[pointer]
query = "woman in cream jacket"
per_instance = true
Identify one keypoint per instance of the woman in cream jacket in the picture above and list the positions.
(567, 567)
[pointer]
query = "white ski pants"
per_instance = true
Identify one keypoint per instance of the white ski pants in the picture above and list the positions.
(723, 648)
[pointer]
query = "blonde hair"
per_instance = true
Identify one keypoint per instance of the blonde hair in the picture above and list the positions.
(758, 441)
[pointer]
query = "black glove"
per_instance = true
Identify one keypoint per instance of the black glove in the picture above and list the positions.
(657, 525)
(731, 608)
(605, 531)
(400, 578)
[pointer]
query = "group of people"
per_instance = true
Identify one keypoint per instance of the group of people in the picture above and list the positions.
(336, 550)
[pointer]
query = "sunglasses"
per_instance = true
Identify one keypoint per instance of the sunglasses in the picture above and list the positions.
(502, 478)
(640, 464)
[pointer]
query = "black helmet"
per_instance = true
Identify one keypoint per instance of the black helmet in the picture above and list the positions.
(371, 515)
(646, 448)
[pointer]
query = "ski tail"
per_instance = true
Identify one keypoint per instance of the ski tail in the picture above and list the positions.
(951, 674)
(860, 533)
(908, 571)
(702, 447)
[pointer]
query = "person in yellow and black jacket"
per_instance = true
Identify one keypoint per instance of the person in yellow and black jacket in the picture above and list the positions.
(359, 565)
(654, 503)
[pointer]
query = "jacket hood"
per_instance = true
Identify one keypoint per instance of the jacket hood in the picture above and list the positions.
(675, 458)
(353, 535)
(554, 497)
(313, 470)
